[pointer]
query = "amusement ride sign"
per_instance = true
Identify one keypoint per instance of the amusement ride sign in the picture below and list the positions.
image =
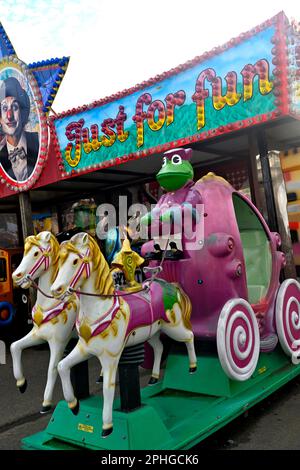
(26, 95)
(236, 85)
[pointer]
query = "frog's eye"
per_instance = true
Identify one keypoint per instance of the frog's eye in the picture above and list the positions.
(176, 160)
(164, 162)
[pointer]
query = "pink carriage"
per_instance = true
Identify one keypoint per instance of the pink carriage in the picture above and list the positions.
(233, 281)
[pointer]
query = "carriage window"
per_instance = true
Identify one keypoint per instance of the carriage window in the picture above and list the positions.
(256, 249)
(3, 272)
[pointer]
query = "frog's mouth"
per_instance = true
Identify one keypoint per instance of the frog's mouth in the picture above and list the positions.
(172, 180)
(172, 173)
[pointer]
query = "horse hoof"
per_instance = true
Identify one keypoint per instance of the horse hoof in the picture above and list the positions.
(106, 432)
(23, 387)
(75, 410)
(99, 380)
(192, 370)
(152, 381)
(45, 409)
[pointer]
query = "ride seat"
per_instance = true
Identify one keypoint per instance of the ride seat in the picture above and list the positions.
(258, 262)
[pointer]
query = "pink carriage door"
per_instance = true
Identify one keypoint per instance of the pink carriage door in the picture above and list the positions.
(262, 273)
(256, 249)
(277, 307)
(247, 326)
(266, 295)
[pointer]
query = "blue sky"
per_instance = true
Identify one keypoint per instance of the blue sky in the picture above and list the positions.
(116, 44)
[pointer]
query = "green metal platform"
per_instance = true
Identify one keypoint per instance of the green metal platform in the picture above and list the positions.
(177, 413)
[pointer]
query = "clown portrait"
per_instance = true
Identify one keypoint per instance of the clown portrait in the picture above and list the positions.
(19, 148)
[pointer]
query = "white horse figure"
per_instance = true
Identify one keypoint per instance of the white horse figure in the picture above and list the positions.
(107, 323)
(53, 320)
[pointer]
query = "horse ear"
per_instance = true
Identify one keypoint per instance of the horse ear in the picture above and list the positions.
(62, 244)
(80, 238)
(45, 236)
(85, 239)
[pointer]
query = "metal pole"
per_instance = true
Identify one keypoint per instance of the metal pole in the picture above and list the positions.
(267, 180)
(130, 392)
(253, 173)
(26, 214)
(274, 206)
(27, 229)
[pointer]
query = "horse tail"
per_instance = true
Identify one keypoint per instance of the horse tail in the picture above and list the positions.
(186, 308)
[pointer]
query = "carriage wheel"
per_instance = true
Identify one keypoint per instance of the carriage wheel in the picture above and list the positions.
(288, 317)
(238, 339)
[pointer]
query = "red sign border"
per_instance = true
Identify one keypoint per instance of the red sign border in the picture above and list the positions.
(14, 62)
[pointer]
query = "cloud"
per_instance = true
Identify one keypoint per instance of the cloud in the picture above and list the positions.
(114, 45)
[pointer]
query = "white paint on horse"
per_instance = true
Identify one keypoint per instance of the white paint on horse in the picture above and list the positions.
(81, 255)
(52, 323)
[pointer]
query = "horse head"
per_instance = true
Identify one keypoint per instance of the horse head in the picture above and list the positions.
(40, 253)
(80, 260)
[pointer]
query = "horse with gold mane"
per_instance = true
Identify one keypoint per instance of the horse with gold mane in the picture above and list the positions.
(53, 320)
(110, 321)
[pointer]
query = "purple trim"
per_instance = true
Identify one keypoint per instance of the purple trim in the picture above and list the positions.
(102, 326)
(240, 322)
(52, 313)
(85, 266)
(291, 333)
(41, 260)
(145, 312)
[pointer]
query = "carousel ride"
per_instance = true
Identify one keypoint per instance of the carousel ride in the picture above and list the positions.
(212, 282)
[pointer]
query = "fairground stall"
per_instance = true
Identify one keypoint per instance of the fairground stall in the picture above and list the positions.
(26, 94)
(232, 114)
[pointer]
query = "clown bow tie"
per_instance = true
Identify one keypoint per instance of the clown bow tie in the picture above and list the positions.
(17, 152)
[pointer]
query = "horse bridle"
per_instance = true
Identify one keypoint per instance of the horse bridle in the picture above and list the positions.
(155, 271)
(85, 266)
(42, 259)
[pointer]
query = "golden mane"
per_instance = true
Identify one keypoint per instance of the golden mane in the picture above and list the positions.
(34, 240)
(29, 242)
(66, 249)
(104, 281)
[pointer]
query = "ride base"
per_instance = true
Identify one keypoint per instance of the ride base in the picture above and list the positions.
(177, 413)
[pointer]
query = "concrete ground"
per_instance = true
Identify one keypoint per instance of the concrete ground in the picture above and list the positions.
(19, 413)
(272, 424)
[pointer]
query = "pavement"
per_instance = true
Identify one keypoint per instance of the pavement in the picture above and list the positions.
(273, 424)
(19, 413)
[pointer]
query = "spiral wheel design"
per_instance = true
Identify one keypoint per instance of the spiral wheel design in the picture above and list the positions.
(288, 316)
(238, 339)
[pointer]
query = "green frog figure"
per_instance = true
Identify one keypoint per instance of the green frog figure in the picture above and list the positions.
(166, 220)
